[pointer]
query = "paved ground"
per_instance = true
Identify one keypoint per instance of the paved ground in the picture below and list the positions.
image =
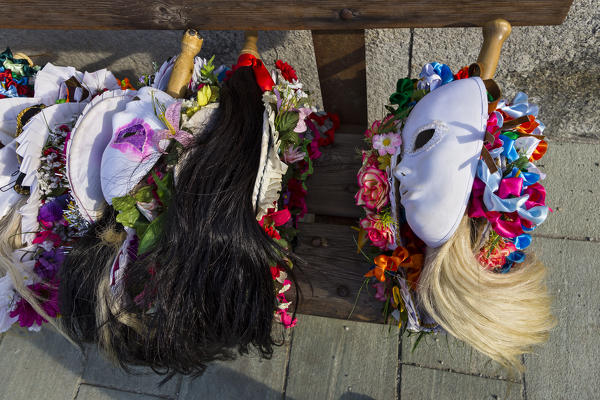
(334, 359)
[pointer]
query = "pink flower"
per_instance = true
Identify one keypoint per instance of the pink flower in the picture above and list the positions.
(380, 288)
(387, 143)
(379, 233)
(286, 319)
(497, 258)
(302, 114)
(293, 154)
(374, 129)
(374, 188)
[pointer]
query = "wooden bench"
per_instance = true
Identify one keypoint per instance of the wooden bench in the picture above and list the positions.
(331, 280)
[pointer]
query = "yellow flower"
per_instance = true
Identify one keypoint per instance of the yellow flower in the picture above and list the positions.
(384, 161)
(204, 95)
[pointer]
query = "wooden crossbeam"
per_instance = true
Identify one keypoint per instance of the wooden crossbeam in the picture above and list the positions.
(280, 14)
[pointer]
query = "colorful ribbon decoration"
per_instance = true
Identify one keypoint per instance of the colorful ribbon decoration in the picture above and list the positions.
(262, 75)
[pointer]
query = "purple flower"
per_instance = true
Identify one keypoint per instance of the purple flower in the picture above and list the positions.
(50, 212)
(134, 138)
(49, 263)
(48, 298)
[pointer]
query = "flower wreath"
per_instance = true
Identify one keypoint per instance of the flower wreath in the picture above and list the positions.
(506, 192)
(53, 218)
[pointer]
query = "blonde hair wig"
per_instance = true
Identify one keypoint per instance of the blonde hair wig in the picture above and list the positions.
(501, 315)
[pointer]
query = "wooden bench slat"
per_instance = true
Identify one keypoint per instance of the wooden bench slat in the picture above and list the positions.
(333, 275)
(282, 14)
(332, 188)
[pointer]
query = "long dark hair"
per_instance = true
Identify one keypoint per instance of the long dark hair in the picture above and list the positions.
(205, 289)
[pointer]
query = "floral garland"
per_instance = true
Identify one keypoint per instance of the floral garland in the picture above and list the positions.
(301, 131)
(60, 224)
(509, 195)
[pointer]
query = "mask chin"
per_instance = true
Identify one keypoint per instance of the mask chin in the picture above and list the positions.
(442, 140)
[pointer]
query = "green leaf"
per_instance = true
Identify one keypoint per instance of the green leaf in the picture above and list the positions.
(163, 187)
(144, 195)
(151, 235)
(140, 226)
(287, 121)
(128, 217)
(128, 212)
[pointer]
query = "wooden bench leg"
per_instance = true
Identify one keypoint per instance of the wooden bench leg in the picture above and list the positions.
(342, 73)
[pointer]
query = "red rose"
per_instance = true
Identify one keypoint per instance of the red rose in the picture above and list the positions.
(287, 71)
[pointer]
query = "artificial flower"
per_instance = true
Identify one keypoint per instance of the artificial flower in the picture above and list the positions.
(293, 154)
(48, 299)
(387, 143)
(463, 73)
(380, 291)
(496, 256)
(373, 190)
(288, 73)
(380, 233)
(369, 133)
(48, 263)
(303, 113)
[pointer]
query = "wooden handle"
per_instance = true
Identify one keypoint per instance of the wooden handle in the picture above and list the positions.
(494, 34)
(184, 65)
(250, 47)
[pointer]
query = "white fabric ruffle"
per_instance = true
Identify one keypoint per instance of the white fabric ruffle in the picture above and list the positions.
(9, 167)
(9, 111)
(90, 136)
(267, 186)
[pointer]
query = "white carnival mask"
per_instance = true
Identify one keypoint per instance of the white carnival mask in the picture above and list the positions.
(442, 140)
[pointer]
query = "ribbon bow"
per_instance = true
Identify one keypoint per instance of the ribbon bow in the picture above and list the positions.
(261, 74)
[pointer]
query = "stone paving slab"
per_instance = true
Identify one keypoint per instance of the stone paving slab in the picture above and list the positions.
(444, 352)
(567, 366)
(248, 377)
(38, 365)
(99, 371)
(432, 384)
(334, 359)
(573, 189)
(557, 66)
(87, 392)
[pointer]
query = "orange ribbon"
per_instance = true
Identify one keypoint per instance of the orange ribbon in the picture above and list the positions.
(400, 258)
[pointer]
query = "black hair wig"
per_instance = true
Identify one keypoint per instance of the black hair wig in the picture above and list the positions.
(205, 289)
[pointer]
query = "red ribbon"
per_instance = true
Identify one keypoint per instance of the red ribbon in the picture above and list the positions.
(262, 75)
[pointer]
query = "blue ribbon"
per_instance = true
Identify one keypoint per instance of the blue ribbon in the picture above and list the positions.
(443, 71)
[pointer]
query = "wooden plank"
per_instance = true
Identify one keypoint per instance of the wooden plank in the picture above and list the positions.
(337, 360)
(340, 57)
(281, 14)
(332, 188)
(331, 280)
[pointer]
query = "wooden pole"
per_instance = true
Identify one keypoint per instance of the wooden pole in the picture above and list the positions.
(494, 34)
(250, 46)
(184, 65)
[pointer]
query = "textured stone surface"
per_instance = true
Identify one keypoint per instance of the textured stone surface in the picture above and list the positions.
(38, 365)
(387, 54)
(431, 384)
(98, 371)
(87, 392)
(567, 366)
(248, 377)
(131, 53)
(572, 187)
(444, 352)
(337, 359)
(556, 65)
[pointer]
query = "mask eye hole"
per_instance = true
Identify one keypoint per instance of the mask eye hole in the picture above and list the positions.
(423, 138)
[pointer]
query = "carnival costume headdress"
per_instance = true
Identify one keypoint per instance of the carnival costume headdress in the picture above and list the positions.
(451, 193)
(156, 218)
